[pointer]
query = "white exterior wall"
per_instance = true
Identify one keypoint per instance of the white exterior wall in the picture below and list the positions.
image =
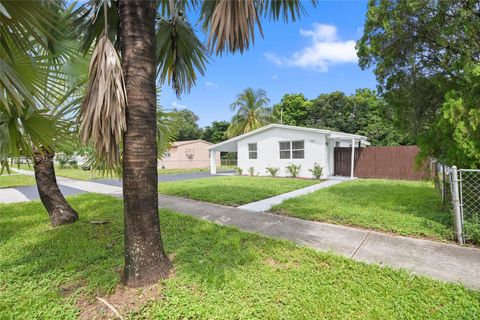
(330, 157)
(268, 152)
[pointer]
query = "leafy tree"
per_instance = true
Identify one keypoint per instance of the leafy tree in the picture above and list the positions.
(363, 112)
(291, 110)
(251, 112)
(374, 118)
(419, 51)
(216, 132)
(184, 125)
(455, 136)
(331, 111)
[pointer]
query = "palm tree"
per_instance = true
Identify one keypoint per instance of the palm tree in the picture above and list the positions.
(251, 112)
(33, 52)
(158, 42)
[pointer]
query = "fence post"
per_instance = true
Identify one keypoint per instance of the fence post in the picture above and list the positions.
(443, 185)
(456, 207)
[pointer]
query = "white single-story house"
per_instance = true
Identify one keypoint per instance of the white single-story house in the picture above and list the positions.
(277, 145)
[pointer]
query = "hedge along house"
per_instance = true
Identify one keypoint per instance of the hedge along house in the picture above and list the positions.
(278, 146)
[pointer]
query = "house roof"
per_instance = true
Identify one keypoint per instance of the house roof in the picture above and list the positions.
(330, 133)
(182, 143)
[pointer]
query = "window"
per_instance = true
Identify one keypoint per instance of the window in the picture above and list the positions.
(298, 149)
(252, 151)
(285, 150)
(292, 149)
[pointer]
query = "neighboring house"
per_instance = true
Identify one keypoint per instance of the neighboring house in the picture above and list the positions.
(187, 154)
(278, 146)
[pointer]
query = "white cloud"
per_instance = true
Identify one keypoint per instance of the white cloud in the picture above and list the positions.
(325, 49)
(209, 84)
(178, 105)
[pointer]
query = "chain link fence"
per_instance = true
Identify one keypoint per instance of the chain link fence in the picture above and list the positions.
(460, 188)
(469, 189)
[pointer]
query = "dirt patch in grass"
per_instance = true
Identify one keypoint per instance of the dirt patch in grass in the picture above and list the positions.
(281, 265)
(123, 301)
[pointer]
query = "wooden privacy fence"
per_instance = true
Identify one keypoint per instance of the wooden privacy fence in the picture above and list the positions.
(380, 162)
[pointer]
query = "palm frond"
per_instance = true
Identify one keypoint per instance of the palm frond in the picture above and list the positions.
(102, 114)
(251, 112)
(285, 9)
(230, 24)
(165, 135)
(22, 22)
(180, 54)
(20, 133)
(89, 21)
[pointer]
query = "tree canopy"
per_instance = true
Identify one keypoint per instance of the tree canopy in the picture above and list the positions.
(184, 125)
(421, 52)
(363, 112)
(216, 132)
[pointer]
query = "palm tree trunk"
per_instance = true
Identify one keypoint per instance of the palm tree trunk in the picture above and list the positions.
(59, 210)
(145, 258)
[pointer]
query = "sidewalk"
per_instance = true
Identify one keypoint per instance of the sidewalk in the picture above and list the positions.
(438, 260)
(267, 204)
(442, 261)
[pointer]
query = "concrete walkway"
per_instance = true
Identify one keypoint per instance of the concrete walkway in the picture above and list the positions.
(442, 261)
(266, 204)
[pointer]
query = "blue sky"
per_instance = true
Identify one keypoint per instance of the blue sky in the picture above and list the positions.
(312, 56)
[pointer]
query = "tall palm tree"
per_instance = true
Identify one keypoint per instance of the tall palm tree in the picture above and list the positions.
(251, 112)
(158, 42)
(33, 52)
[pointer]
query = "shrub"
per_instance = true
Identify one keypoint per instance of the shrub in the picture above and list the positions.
(273, 171)
(239, 171)
(317, 171)
(293, 170)
(62, 161)
(73, 164)
(251, 171)
(472, 230)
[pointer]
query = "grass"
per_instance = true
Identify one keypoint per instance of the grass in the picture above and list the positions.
(73, 173)
(220, 273)
(178, 171)
(232, 190)
(15, 180)
(92, 175)
(404, 207)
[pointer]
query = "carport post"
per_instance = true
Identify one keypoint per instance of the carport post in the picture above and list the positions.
(213, 164)
(353, 159)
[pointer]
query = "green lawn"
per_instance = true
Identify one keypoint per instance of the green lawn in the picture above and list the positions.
(403, 207)
(15, 180)
(72, 173)
(232, 190)
(220, 273)
(177, 171)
